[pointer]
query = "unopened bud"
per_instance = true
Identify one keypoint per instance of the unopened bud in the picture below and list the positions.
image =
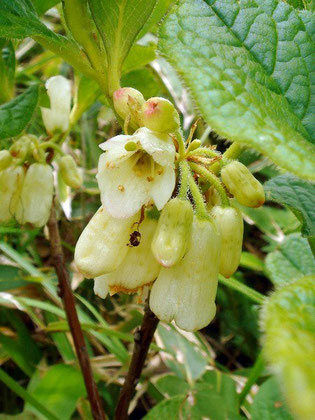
(229, 222)
(36, 196)
(70, 172)
(56, 119)
(243, 185)
(5, 159)
(128, 102)
(172, 236)
(159, 114)
(21, 147)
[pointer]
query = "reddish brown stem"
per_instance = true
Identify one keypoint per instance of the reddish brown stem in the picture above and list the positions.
(72, 317)
(142, 338)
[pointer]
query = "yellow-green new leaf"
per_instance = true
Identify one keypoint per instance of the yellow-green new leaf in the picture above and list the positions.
(288, 320)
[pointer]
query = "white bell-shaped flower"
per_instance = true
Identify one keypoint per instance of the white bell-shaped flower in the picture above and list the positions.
(138, 269)
(102, 245)
(57, 117)
(135, 170)
(186, 292)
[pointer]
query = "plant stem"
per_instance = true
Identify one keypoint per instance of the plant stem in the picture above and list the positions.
(72, 316)
(232, 152)
(255, 373)
(213, 179)
(25, 395)
(142, 339)
(200, 206)
(242, 288)
(184, 175)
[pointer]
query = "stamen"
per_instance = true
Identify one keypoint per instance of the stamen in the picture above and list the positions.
(121, 188)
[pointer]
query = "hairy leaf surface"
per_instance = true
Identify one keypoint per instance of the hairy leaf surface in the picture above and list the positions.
(250, 68)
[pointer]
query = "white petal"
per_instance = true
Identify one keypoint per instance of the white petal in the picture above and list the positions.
(122, 192)
(163, 186)
(115, 148)
(159, 146)
(101, 286)
(139, 266)
(102, 245)
(59, 92)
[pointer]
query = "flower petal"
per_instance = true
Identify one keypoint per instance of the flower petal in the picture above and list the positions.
(101, 288)
(159, 146)
(115, 148)
(139, 266)
(163, 186)
(122, 192)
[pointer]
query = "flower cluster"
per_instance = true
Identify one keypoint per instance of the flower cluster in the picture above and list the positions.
(26, 174)
(197, 235)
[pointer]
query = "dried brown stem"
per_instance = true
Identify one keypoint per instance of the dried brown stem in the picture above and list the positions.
(72, 317)
(142, 338)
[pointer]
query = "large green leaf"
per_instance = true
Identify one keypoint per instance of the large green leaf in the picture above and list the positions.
(297, 195)
(249, 68)
(292, 260)
(18, 19)
(269, 403)
(42, 5)
(119, 22)
(16, 114)
(288, 320)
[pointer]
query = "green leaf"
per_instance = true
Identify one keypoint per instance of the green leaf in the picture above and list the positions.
(170, 385)
(188, 361)
(26, 396)
(119, 22)
(16, 114)
(11, 278)
(16, 352)
(288, 320)
(59, 390)
(297, 195)
(7, 70)
(18, 19)
(138, 57)
(170, 408)
(269, 403)
(42, 6)
(293, 259)
(249, 68)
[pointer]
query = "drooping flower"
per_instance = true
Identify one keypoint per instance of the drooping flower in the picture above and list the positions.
(172, 236)
(229, 222)
(135, 170)
(138, 269)
(58, 116)
(242, 184)
(36, 195)
(186, 292)
(102, 245)
(11, 181)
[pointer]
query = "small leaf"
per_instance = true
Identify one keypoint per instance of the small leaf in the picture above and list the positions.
(293, 259)
(171, 385)
(288, 322)
(138, 57)
(297, 195)
(42, 6)
(269, 403)
(7, 70)
(119, 22)
(16, 114)
(11, 278)
(59, 390)
(167, 409)
(18, 19)
(248, 66)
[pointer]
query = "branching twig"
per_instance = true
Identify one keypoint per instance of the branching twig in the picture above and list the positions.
(142, 339)
(72, 316)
